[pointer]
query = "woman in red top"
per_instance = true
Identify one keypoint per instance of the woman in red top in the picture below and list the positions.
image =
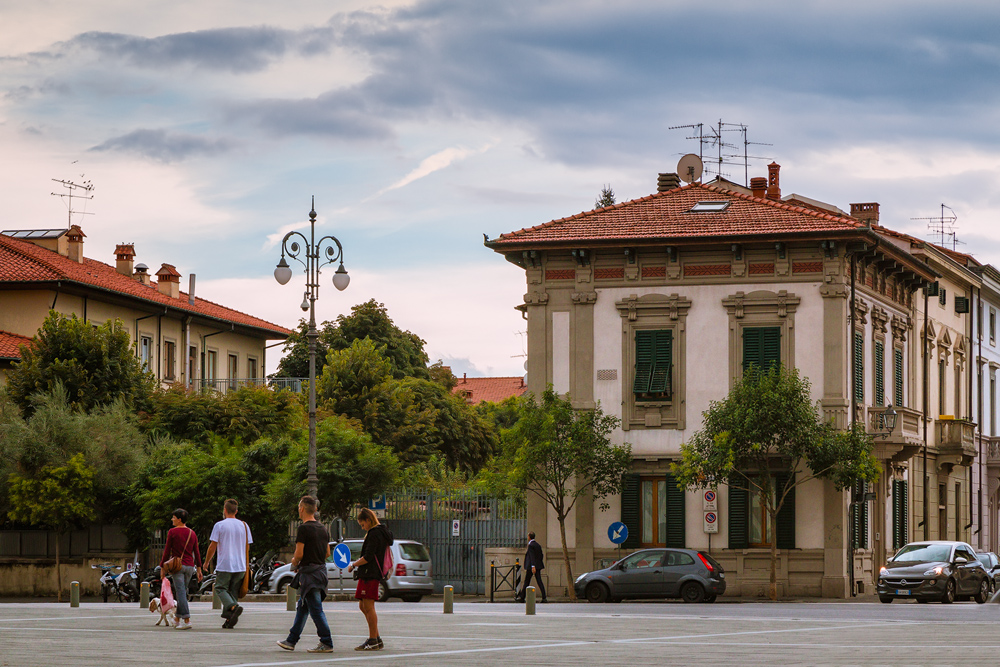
(181, 541)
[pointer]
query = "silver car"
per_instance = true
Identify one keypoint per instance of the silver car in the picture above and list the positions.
(410, 580)
(692, 575)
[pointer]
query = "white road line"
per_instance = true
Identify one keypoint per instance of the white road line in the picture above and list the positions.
(735, 634)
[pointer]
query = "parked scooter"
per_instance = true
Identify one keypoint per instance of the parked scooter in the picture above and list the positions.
(128, 582)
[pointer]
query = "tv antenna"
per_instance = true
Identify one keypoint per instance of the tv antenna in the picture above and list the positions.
(944, 227)
(74, 191)
(726, 152)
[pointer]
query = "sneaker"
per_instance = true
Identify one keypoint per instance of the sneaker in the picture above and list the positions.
(369, 645)
(183, 625)
(234, 617)
(285, 645)
(320, 648)
(380, 644)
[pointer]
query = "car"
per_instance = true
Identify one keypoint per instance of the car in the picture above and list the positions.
(935, 570)
(992, 565)
(410, 580)
(689, 574)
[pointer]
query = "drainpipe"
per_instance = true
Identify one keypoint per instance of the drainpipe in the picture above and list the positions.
(187, 353)
(851, 507)
(204, 355)
(926, 407)
(979, 409)
(55, 297)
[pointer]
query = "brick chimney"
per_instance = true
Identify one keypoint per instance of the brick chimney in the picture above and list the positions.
(867, 213)
(773, 187)
(169, 281)
(665, 182)
(141, 273)
(75, 237)
(124, 258)
(758, 186)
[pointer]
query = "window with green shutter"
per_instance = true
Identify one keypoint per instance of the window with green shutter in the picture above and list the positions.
(859, 516)
(786, 515)
(859, 368)
(632, 511)
(761, 347)
(653, 365)
(739, 524)
(653, 508)
(897, 376)
(879, 373)
(900, 517)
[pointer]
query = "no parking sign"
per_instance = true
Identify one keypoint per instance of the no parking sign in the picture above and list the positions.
(710, 501)
(711, 522)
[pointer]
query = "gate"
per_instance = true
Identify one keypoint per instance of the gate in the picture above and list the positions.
(429, 517)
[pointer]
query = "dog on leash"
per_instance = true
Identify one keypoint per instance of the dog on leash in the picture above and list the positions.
(156, 608)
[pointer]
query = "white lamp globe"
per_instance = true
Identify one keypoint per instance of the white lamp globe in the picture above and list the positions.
(340, 278)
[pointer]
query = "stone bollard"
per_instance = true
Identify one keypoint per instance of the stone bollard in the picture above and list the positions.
(144, 593)
(216, 602)
(291, 595)
(529, 601)
(449, 599)
(74, 594)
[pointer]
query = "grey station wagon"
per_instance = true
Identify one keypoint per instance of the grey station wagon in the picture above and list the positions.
(693, 576)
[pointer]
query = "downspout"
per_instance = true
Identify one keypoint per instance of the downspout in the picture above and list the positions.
(850, 391)
(84, 309)
(979, 410)
(187, 353)
(55, 297)
(204, 353)
(926, 407)
(969, 411)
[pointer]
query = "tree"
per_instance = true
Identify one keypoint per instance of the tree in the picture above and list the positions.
(768, 419)
(96, 365)
(606, 199)
(559, 454)
(58, 497)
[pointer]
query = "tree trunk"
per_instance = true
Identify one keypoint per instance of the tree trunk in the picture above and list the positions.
(569, 568)
(58, 570)
(774, 554)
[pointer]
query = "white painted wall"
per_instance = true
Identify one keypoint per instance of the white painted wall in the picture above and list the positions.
(560, 352)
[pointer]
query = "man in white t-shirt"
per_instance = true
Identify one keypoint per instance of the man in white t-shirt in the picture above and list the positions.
(231, 538)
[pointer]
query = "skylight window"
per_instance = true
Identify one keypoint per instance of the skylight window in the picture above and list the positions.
(709, 207)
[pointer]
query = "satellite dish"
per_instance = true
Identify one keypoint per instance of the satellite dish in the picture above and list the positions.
(689, 168)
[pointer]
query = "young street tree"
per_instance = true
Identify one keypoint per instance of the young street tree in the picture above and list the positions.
(559, 454)
(767, 429)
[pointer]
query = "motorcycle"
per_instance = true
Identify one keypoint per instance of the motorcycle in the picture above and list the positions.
(108, 583)
(262, 570)
(128, 582)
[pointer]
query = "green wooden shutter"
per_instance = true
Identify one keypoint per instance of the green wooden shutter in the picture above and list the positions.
(770, 347)
(644, 358)
(662, 360)
(752, 348)
(897, 376)
(859, 516)
(785, 532)
(739, 520)
(900, 528)
(859, 368)
(632, 511)
(675, 537)
(879, 373)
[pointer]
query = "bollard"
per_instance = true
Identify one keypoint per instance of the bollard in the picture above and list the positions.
(74, 594)
(216, 602)
(144, 593)
(493, 578)
(449, 599)
(529, 601)
(291, 594)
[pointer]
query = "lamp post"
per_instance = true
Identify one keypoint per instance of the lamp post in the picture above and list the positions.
(313, 254)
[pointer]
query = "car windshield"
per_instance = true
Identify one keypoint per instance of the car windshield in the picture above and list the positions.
(922, 553)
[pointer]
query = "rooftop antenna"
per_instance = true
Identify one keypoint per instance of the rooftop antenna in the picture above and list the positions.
(74, 191)
(944, 227)
(716, 140)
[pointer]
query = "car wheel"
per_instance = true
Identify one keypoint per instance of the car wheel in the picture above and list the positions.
(884, 599)
(597, 592)
(383, 592)
(710, 598)
(984, 592)
(692, 592)
(282, 585)
(412, 598)
(949, 592)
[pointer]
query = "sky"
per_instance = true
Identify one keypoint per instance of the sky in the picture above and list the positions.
(206, 128)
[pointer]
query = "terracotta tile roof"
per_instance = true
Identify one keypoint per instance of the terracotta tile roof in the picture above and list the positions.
(664, 215)
(490, 389)
(10, 345)
(962, 258)
(25, 262)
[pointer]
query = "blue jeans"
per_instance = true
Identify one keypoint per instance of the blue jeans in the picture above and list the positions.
(310, 605)
(181, 581)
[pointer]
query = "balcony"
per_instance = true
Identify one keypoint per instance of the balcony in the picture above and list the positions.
(992, 452)
(903, 441)
(232, 384)
(956, 443)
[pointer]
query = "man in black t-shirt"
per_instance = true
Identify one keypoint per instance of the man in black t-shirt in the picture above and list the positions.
(312, 548)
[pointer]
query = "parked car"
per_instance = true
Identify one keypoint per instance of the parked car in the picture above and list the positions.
(938, 570)
(992, 565)
(410, 579)
(693, 576)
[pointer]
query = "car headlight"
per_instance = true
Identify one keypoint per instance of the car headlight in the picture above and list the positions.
(934, 571)
(580, 578)
(882, 571)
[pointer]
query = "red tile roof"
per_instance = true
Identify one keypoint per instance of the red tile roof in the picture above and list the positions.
(490, 389)
(25, 262)
(10, 345)
(664, 215)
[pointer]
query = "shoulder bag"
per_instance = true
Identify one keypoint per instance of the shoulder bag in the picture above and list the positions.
(245, 587)
(173, 566)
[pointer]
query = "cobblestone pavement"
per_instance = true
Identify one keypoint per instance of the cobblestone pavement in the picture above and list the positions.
(804, 633)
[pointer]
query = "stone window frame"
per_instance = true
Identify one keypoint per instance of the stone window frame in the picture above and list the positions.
(654, 312)
(169, 359)
(761, 308)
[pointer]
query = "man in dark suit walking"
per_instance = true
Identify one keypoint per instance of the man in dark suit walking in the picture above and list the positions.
(533, 565)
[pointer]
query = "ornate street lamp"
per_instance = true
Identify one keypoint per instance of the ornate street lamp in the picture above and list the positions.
(887, 420)
(313, 254)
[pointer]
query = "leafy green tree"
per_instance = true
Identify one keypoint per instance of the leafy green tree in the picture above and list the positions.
(350, 467)
(442, 375)
(767, 419)
(57, 497)
(96, 365)
(295, 363)
(606, 199)
(560, 454)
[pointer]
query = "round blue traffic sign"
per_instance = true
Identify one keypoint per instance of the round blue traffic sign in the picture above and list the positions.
(341, 555)
(617, 532)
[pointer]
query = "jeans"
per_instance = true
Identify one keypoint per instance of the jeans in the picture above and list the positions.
(310, 605)
(227, 586)
(181, 581)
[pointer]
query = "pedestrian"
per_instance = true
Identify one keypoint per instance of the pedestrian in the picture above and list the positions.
(181, 543)
(533, 566)
(312, 548)
(232, 539)
(378, 539)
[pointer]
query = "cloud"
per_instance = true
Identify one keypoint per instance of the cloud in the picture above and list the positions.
(437, 162)
(345, 116)
(162, 146)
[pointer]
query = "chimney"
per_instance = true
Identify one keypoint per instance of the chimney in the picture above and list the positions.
(141, 273)
(168, 281)
(465, 378)
(665, 182)
(124, 257)
(867, 213)
(191, 289)
(773, 189)
(75, 237)
(758, 186)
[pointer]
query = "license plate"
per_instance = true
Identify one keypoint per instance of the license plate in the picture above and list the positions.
(420, 573)
(901, 591)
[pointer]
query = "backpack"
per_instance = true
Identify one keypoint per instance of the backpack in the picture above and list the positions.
(386, 565)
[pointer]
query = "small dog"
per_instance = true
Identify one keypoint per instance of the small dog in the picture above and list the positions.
(163, 607)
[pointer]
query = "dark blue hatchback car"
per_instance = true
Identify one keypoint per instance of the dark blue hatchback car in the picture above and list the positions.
(693, 576)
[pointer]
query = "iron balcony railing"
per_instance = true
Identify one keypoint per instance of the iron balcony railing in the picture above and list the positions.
(232, 384)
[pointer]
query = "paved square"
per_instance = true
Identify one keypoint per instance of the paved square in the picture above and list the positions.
(807, 633)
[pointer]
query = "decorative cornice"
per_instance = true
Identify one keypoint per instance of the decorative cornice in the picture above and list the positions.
(583, 298)
(674, 306)
(536, 298)
(740, 303)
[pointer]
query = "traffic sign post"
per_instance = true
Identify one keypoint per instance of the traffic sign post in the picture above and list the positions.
(377, 505)
(618, 533)
(710, 501)
(341, 558)
(711, 522)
